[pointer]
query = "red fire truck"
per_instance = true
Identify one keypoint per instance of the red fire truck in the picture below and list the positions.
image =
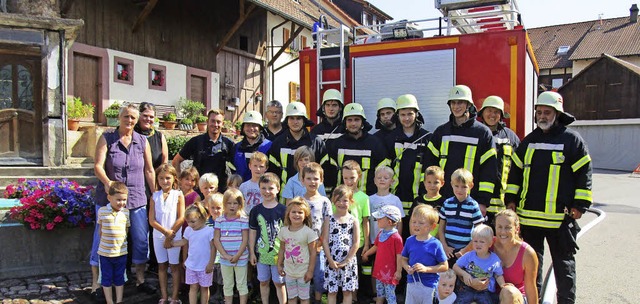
(492, 55)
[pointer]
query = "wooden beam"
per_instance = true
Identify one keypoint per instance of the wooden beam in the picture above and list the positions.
(144, 14)
(236, 26)
(286, 43)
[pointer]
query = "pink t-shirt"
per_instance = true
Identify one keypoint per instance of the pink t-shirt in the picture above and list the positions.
(385, 265)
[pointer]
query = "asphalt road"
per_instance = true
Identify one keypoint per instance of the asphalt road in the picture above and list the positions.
(605, 268)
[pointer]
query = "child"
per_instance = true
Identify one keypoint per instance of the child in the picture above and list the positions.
(340, 240)
(200, 251)
(214, 205)
(166, 214)
(297, 256)
(234, 181)
(231, 238)
(462, 212)
(351, 174)
(444, 293)
(188, 179)
(114, 226)
(251, 189)
(295, 184)
(387, 247)
(433, 182)
(265, 221)
(208, 184)
(423, 256)
(480, 263)
(313, 175)
(383, 180)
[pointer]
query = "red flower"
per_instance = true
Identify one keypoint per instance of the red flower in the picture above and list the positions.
(50, 226)
(57, 219)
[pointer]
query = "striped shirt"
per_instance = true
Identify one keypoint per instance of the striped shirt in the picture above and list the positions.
(113, 227)
(231, 238)
(461, 217)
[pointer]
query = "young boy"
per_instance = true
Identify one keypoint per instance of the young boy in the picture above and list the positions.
(295, 185)
(461, 212)
(351, 173)
(383, 180)
(251, 189)
(213, 203)
(446, 285)
(312, 177)
(114, 226)
(433, 182)
(423, 256)
(480, 263)
(265, 221)
(387, 247)
(208, 184)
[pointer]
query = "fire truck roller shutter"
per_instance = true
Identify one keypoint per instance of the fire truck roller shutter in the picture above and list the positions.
(428, 75)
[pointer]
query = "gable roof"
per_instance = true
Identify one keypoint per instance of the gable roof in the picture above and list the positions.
(625, 64)
(616, 37)
(373, 8)
(546, 41)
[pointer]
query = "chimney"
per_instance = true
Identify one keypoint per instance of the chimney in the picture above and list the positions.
(634, 13)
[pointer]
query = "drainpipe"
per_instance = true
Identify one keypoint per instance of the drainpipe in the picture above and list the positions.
(63, 92)
(273, 86)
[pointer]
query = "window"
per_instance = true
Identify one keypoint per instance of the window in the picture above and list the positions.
(286, 34)
(556, 83)
(157, 77)
(563, 49)
(244, 43)
(123, 70)
(303, 42)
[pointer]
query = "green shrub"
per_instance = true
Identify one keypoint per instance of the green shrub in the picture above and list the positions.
(201, 119)
(191, 108)
(169, 116)
(175, 143)
(186, 121)
(113, 110)
(76, 109)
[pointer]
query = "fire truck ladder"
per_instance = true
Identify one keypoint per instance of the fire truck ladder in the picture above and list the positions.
(331, 38)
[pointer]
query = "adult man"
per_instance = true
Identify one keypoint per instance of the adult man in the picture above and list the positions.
(210, 151)
(358, 145)
(405, 148)
(252, 141)
(331, 113)
(274, 126)
(492, 114)
(464, 142)
(550, 187)
(386, 117)
(294, 136)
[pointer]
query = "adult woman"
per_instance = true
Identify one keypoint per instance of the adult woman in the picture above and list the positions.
(124, 155)
(157, 141)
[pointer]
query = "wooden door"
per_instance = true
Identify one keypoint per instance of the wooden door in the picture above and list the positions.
(240, 77)
(20, 110)
(198, 88)
(86, 81)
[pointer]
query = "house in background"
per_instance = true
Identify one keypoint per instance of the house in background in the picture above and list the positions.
(362, 11)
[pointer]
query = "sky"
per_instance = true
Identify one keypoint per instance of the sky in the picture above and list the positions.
(535, 13)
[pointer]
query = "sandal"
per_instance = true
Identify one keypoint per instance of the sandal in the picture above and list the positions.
(162, 301)
(175, 302)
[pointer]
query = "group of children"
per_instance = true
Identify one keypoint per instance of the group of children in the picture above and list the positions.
(308, 237)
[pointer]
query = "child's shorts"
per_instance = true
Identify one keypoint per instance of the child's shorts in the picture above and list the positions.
(201, 278)
(297, 287)
(387, 291)
(112, 270)
(266, 272)
(163, 255)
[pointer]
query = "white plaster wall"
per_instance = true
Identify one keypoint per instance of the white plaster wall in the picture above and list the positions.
(579, 65)
(290, 73)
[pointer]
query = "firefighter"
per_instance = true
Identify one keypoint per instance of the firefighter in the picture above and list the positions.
(492, 115)
(386, 117)
(253, 140)
(406, 145)
(273, 128)
(294, 136)
(331, 113)
(464, 142)
(550, 188)
(358, 145)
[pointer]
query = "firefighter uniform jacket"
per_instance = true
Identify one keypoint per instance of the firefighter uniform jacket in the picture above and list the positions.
(270, 135)
(327, 131)
(368, 151)
(406, 156)
(243, 151)
(506, 142)
(282, 149)
(551, 172)
(470, 146)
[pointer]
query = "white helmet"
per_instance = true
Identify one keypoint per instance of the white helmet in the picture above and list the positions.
(386, 103)
(407, 101)
(296, 108)
(252, 117)
(494, 102)
(353, 109)
(460, 92)
(332, 94)
(551, 99)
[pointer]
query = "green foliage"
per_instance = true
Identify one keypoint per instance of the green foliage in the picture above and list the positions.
(238, 124)
(113, 110)
(169, 116)
(176, 143)
(186, 121)
(201, 119)
(227, 124)
(77, 109)
(191, 108)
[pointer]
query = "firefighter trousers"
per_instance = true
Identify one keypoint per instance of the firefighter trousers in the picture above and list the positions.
(562, 249)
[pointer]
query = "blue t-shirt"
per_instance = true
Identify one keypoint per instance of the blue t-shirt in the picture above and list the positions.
(478, 268)
(294, 188)
(429, 253)
(461, 217)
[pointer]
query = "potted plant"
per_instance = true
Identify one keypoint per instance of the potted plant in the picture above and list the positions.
(238, 126)
(76, 109)
(227, 126)
(111, 113)
(169, 120)
(191, 108)
(186, 124)
(201, 122)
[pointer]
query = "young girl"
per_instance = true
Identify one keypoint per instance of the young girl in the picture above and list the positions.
(166, 214)
(188, 181)
(297, 241)
(231, 239)
(234, 181)
(198, 239)
(340, 241)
